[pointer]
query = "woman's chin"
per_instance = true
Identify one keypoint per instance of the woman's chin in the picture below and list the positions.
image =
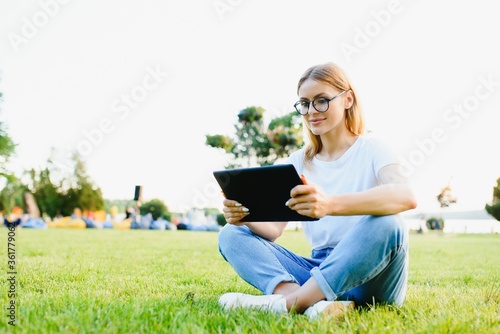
(316, 131)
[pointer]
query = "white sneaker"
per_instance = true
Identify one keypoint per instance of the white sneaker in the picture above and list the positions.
(273, 303)
(334, 309)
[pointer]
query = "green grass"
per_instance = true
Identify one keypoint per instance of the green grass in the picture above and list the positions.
(111, 281)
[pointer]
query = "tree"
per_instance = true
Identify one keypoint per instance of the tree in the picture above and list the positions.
(494, 208)
(435, 223)
(47, 195)
(445, 197)
(156, 208)
(59, 193)
(221, 220)
(285, 134)
(7, 149)
(12, 194)
(83, 193)
(9, 195)
(253, 144)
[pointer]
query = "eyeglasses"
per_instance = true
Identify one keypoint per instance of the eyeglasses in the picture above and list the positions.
(321, 104)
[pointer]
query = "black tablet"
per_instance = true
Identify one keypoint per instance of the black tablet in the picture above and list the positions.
(263, 190)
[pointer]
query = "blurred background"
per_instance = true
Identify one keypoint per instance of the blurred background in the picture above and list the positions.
(135, 88)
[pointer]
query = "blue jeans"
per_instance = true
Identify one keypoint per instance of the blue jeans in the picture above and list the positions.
(370, 263)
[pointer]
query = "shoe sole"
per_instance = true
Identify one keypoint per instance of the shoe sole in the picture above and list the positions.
(338, 309)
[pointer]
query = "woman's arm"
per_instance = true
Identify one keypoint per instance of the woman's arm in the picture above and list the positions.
(234, 212)
(268, 230)
(392, 196)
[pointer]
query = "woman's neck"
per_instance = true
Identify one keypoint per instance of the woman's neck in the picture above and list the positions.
(335, 145)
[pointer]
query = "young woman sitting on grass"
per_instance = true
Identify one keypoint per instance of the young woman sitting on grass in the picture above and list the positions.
(354, 185)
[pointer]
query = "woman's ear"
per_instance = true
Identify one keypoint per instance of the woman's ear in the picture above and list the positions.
(349, 99)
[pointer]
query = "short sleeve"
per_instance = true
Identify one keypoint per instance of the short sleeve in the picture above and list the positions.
(383, 155)
(297, 160)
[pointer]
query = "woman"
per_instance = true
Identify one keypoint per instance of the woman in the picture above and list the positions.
(354, 185)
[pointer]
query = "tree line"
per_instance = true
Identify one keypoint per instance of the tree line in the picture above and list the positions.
(59, 192)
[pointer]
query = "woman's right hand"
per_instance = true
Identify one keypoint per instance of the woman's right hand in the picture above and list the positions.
(234, 212)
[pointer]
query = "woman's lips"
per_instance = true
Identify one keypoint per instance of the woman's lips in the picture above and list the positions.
(316, 121)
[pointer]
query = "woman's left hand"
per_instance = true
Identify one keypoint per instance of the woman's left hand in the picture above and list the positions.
(310, 200)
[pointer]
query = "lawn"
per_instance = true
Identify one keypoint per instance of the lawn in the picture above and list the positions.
(136, 281)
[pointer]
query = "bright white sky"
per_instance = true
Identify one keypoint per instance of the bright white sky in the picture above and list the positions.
(68, 67)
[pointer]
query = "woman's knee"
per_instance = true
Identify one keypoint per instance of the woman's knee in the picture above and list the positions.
(230, 235)
(388, 223)
(387, 228)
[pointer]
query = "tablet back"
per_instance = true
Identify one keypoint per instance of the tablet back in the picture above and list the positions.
(263, 190)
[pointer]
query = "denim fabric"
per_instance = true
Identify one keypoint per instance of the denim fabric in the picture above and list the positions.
(369, 264)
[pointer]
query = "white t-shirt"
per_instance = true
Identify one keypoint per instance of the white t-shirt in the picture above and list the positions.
(356, 170)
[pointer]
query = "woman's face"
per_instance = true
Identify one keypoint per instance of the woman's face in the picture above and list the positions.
(321, 123)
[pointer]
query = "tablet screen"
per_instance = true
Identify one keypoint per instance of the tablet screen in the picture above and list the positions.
(263, 190)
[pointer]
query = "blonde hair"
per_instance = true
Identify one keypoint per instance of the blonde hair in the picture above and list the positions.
(331, 74)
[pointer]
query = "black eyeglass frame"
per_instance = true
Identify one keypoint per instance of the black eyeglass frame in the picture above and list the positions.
(314, 103)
